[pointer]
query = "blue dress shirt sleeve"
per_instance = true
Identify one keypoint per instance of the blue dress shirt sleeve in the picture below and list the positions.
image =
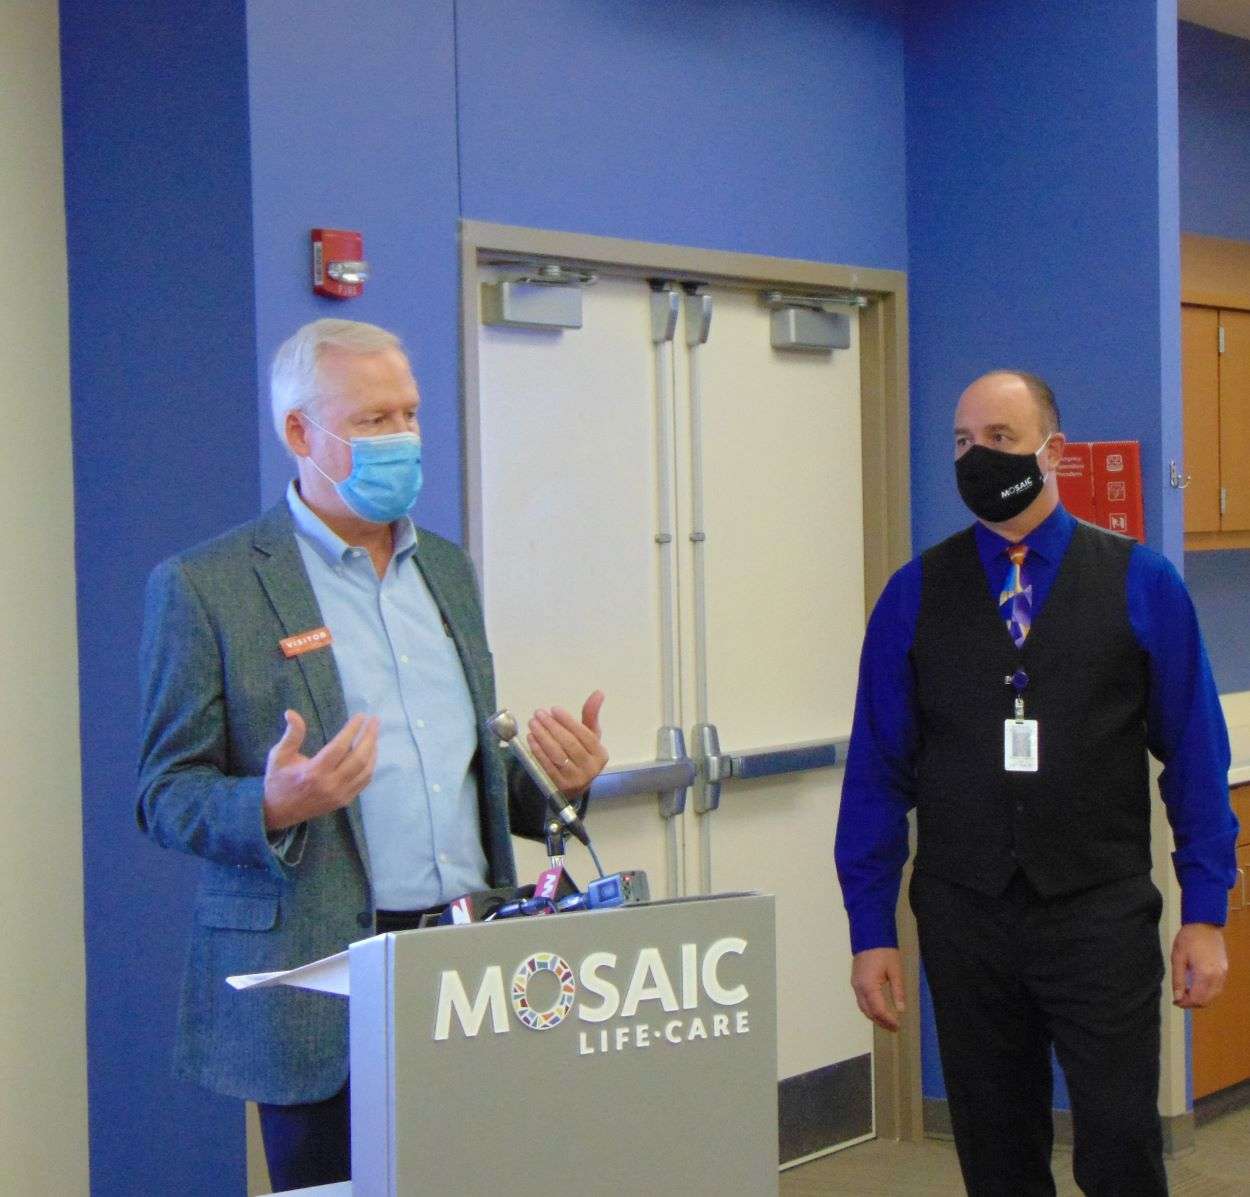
(878, 788)
(1186, 733)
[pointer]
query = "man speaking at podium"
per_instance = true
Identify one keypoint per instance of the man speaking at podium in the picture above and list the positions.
(315, 686)
(1012, 680)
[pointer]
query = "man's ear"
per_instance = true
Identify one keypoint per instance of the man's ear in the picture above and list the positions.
(296, 434)
(1054, 451)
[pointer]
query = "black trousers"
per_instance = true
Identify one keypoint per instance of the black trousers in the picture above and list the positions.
(308, 1145)
(1010, 977)
(311, 1144)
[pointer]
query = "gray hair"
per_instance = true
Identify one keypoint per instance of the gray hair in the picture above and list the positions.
(293, 378)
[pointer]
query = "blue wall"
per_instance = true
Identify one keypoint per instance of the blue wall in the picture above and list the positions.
(1218, 582)
(376, 153)
(771, 128)
(1042, 229)
(1215, 133)
(163, 377)
(1215, 201)
(1035, 221)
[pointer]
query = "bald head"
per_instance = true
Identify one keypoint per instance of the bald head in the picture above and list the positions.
(1038, 390)
(1006, 409)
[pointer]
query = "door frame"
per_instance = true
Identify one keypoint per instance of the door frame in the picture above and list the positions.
(885, 452)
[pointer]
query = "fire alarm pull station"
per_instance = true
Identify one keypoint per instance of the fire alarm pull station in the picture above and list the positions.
(338, 265)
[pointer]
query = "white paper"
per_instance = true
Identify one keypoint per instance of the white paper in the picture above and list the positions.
(330, 975)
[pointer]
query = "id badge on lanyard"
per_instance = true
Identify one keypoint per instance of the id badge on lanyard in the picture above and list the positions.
(1020, 735)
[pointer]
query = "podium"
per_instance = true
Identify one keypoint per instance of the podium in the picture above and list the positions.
(631, 1050)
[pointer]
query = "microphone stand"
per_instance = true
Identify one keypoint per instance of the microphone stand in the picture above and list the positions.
(555, 843)
(503, 725)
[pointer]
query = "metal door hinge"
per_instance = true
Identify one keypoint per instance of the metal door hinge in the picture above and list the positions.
(665, 302)
(1221, 338)
(698, 314)
(1223, 500)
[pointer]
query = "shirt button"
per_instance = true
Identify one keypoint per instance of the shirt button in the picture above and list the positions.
(403, 657)
(364, 919)
(437, 788)
(420, 722)
(443, 858)
(1019, 808)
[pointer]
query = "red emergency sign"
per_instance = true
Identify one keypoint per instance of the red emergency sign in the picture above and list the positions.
(1100, 482)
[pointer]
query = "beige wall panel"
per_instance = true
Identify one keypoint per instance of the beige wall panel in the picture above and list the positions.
(570, 572)
(783, 491)
(43, 1106)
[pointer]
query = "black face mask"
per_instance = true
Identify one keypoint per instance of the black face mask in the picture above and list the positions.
(997, 486)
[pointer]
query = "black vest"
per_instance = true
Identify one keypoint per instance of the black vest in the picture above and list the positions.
(1084, 817)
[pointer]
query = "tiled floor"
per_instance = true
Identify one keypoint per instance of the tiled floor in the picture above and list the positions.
(1219, 1166)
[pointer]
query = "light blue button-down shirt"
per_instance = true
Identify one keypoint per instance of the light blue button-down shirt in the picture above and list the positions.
(398, 661)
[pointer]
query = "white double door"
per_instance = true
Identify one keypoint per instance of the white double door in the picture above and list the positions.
(602, 484)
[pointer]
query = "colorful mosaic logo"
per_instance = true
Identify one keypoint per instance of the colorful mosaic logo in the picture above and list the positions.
(543, 962)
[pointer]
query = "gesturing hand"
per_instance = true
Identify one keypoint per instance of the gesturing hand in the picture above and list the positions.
(298, 787)
(571, 752)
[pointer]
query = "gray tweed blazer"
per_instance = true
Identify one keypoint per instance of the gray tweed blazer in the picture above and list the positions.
(214, 686)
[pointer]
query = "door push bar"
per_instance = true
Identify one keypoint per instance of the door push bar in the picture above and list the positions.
(670, 776)
(716, 767)
(673, 772)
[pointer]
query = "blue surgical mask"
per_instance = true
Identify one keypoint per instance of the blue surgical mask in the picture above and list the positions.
(386, 474)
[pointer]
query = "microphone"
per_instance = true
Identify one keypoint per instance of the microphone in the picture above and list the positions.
(616, 889)
(520, 906)
(477, 906)
(554, 883)
(503, 725)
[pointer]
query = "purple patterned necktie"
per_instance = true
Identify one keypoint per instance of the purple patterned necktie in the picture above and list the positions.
(1016, 600)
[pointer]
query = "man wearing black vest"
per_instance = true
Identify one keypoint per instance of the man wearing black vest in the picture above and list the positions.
(1013, 679)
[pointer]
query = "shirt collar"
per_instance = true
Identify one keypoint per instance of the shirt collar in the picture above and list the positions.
(1049, 540)
(329, 545)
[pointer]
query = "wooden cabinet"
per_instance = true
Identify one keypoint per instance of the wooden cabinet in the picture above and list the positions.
(1215, 384)
(1222, 1032)
(1215, 294)
(1200, 391)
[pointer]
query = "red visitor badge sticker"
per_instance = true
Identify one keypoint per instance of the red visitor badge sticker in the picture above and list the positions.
(306, 642)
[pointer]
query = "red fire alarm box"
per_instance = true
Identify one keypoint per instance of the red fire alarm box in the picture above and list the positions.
(1100, 481)
(338, 266)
